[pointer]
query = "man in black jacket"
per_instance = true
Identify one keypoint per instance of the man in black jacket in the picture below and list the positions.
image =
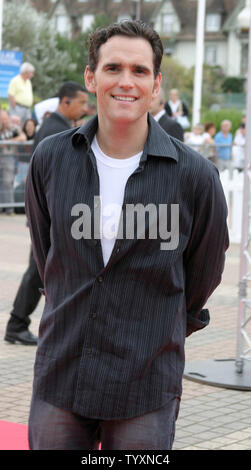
(72, 106)
(157, 109)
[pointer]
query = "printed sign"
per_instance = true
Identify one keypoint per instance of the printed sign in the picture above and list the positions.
(10, 63)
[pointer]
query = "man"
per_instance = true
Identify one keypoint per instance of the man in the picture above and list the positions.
(73, 100)
(177, 109)
(8, 131)
(20, 92)
(120, 296)
(224, 140)
(157, 109)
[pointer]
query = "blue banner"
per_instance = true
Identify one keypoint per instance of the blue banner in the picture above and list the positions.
(10, 63)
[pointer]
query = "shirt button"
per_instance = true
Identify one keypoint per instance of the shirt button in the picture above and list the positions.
(93, 315)
(100, 279)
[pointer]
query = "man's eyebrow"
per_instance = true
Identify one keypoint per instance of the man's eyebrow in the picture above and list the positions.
(144, 68)
(134, 66)
(111, 64)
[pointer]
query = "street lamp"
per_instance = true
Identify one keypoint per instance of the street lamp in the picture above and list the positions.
(199, 57)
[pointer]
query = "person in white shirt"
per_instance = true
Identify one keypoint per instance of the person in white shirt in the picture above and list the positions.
(238, 149)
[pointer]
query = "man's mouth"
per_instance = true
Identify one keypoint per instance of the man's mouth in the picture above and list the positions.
(124, 98)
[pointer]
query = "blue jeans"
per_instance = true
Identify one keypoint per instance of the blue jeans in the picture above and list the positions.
(52, 428)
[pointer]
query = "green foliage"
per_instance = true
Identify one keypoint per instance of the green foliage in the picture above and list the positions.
(175, 75)
(32, 33)
(232, 85)
(217, 117)
(211, 86)
(77, 48)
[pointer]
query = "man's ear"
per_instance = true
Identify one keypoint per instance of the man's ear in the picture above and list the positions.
(90, 82)
(157, 85)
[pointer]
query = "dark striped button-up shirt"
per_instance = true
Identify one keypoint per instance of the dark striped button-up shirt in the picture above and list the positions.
(111, 338)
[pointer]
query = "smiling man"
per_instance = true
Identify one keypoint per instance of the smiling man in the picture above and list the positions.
(110, 354)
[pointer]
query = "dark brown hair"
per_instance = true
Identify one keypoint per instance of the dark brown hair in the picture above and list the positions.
(208, 126)
(132, 29)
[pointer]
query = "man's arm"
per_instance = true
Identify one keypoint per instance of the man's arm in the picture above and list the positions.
(204, 257)
(12, 92)
(12, 101)
(21, 137)
(37, 210)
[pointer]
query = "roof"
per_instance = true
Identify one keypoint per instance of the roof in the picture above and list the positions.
(97, 7)
(186, 11)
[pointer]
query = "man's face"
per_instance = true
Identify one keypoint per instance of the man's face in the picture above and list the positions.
(124, 80)
(77, 106)
(174, 95)
(28, 75)
(225, 127)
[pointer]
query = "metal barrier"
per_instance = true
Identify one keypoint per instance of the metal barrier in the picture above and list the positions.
(14, 162)
(213, 152)
(15, 157)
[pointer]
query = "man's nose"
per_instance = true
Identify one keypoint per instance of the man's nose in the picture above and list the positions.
(126, 80)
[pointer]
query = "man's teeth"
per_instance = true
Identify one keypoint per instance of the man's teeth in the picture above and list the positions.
(124, 98)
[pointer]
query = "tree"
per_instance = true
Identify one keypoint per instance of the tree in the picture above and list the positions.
(77, 47)
(233, 85)
(26, 30)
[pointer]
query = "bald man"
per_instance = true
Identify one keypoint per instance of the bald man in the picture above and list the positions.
(157, 109)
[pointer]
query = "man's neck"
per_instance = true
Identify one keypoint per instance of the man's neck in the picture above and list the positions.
(122, 140)
(61, 111)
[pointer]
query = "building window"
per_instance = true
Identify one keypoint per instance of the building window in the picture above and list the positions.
(167, 23)
(211, 55)
(213, 23)
(87, 21)
(61, 24)
(244, 59)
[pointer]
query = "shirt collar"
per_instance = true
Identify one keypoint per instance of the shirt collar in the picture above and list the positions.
(159, 115)
(158, 143)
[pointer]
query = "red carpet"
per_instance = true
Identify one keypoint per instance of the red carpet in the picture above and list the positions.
(13, 436)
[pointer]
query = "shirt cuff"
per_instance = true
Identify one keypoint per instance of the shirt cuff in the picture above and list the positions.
(197, 323)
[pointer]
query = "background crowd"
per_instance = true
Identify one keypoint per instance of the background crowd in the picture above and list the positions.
(21, 122)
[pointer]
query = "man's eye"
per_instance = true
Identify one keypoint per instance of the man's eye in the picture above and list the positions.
(140, 71)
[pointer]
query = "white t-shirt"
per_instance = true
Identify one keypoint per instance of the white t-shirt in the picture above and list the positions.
(113, 175)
